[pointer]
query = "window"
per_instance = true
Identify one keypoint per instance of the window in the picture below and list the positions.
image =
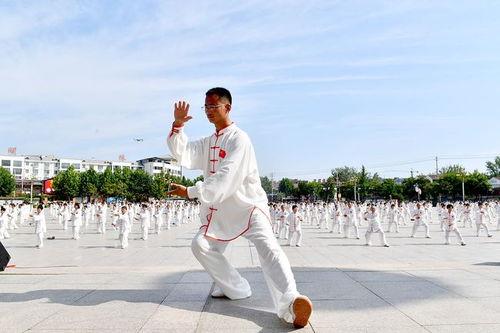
(6, 163)
(17, 171)
(64, 165)
(77, 166)
(18, 163)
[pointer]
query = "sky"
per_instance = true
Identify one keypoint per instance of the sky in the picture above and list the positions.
(316, 84)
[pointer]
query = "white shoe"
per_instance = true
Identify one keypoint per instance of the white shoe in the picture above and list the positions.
(217, 293)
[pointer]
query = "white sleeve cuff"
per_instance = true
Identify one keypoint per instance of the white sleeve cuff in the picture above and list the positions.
(193, 192)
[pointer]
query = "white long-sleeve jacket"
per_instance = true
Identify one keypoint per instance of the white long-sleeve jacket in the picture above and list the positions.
(231, 190)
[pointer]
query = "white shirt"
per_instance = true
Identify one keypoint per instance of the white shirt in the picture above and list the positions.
(231, 190)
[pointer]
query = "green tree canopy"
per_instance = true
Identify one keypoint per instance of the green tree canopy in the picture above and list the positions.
(67, 184)
(286, 187)
(7, 182)
(493, 167)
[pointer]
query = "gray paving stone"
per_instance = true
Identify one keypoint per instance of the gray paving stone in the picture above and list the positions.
(416, 285)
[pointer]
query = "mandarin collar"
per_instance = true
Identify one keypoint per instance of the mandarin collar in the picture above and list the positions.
(225, 129)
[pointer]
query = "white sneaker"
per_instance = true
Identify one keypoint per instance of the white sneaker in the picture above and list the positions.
(217, 293)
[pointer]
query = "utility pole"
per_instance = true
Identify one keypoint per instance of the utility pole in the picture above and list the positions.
(411, 173)
(437, 168)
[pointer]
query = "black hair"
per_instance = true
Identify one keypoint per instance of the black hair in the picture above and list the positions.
(2, 209)
(294, 206)
(221, 92)
(40, 207)
(449, 206)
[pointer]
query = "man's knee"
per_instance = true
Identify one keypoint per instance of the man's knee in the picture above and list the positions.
(199, 245)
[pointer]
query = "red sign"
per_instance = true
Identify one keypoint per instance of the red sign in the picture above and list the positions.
(47, 187)
(12, 150)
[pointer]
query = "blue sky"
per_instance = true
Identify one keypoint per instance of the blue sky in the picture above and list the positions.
(316, 84)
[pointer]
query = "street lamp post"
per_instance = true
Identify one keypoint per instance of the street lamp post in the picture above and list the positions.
(462, 176)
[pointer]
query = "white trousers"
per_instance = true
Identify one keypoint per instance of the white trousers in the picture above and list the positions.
(295, 237)
(391, 222)
(40, 239)
(124, 239)
(101, 226)
(457, 233)
(346, 229)
(145, 231)
(284, 230)
(275, 265)
(76, 232)
(418, 224)
(380, 232)
(478, 228)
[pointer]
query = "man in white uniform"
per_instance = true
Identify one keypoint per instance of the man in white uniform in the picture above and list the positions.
(295, 220)
(233, 204)
(450, 224)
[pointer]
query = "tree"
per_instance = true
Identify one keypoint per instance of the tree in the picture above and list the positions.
(305, 189)
(344, 174)
(89, 184)
(7, 182)
(477, 184)
(389, 189)
(140, 186)
(456, 169)
(159, 186)
(286, 187)
(493, 167)
(424, 183)
(449, 184)
(266, 184)
(67, 184)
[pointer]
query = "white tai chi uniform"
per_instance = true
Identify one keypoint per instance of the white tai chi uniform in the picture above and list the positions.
(40, 226)
(283, 226)
(124, 227)
(4, 221)
(419, 219)
(145, 218)
(374, 226)
(480, 222)
(450, 225)
(233, 204)
(295, 223)
(77, 222)
(393, 217)
(351, 220)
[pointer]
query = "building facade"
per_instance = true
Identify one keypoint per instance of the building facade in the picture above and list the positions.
(40, 167)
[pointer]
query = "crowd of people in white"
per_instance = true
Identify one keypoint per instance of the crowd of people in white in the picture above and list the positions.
(287, 218)
(342, 217)
(156, 215)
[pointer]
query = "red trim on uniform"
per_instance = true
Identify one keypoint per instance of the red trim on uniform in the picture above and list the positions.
(214, 147)
(214, 160)
(244, 231)
(174, 130)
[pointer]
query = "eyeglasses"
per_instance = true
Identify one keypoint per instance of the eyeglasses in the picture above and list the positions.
(211, 107)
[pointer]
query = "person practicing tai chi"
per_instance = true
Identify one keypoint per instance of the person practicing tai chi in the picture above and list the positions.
(374, 226)
(233, 204)
(450, 224)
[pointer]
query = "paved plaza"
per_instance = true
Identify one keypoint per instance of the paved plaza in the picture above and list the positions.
(90, 285)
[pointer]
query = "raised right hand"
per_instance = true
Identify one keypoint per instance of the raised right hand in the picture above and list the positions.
(181, 110)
